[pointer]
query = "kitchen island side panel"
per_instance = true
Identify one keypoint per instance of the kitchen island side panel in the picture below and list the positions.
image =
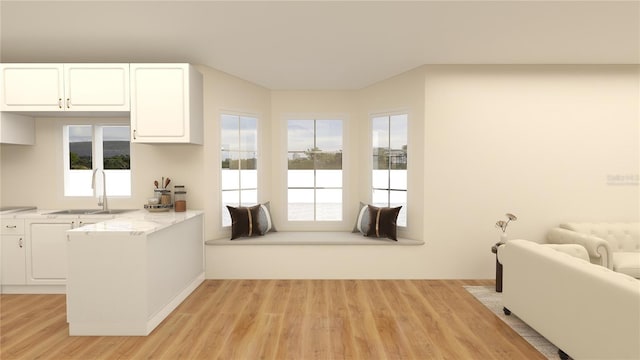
(124, 283)
(106, 284)
(175, 258)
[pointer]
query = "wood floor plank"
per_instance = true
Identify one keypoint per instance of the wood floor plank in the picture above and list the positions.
(367, 339)
(282, 319)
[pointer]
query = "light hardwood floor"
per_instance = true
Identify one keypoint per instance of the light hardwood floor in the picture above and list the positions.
(283, 319)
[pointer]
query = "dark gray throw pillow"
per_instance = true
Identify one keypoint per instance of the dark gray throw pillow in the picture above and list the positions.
(245, 221)
(383, 222)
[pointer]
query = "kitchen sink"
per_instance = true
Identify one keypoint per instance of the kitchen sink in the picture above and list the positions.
(74, 212)
(114, 211)
(91, 211)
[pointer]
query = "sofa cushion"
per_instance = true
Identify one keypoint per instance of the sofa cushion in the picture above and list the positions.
(574, 250)
(627, 263)
(622, 236)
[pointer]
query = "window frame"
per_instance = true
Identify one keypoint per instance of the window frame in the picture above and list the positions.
(389, 189)
(222, 204)
(315, 222)
(97, 158)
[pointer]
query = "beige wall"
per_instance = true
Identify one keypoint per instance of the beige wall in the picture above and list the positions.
(404, 92)
(538, 141)
(227, 94)
(287, 105)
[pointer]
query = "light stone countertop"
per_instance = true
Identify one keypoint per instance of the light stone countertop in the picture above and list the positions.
(140, 221)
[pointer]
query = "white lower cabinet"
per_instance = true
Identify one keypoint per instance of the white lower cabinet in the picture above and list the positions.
(13, 250)
(47, 251)
(13, 260)
(33, 253)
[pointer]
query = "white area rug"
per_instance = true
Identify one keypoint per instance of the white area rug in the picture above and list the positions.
(493, 301)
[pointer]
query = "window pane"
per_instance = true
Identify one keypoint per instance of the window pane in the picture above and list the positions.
(399, 198)
(118, 182)
(248, 160)
(380, 198)
(329, 178)
(80, 147)
(398, 126)
(329, 135)
(398, 179)
(115, 148)
(380, 132)
(248, 197)
(248, 179)
(300, 135)
(380, 179)
(226, 159)
(230, 179)
(231, 198)
(226, 217)
(328, 160)
(300, 178)
(78, 183)
(300, 160)
(398, 147)
(300, 205)
(329, 205)
(229, 135)
(248, 134)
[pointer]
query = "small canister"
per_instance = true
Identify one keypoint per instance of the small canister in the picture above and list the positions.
(165, 197)
(180, 198)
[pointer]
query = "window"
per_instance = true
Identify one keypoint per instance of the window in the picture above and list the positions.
(89, 147)
(314, 176)
(239, 168)
(389, 177)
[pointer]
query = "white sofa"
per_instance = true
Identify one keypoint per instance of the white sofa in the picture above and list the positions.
(586, 310)
(613, 245)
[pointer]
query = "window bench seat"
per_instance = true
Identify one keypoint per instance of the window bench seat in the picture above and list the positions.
(313, 238)
(314, 255)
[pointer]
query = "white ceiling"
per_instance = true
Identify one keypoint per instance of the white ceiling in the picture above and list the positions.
(324, 44)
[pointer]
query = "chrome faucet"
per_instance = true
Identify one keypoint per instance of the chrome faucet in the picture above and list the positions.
(103, 203)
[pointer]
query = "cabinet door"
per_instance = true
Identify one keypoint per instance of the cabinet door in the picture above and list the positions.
(96, 87)
(32, 87)
(47, 258)
(13, 260)
(159, 102)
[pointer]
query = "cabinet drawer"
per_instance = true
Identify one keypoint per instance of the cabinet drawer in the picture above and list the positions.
(12, 227)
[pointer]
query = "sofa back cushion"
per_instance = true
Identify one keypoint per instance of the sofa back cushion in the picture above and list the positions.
(621, 236)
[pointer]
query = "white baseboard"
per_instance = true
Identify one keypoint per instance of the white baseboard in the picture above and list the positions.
(33, 289)
(173, 304)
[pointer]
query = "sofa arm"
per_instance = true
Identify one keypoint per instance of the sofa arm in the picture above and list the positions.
(598, 249)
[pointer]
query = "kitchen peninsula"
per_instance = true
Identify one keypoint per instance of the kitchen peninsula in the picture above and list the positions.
(128, 274)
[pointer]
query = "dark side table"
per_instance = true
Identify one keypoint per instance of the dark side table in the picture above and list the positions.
(494, 249)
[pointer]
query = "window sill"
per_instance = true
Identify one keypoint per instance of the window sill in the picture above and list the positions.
(313, 238)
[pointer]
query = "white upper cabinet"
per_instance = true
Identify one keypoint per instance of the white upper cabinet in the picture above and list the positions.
(96, 87)
(65, 87)
(32, 87)
(166, 104)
